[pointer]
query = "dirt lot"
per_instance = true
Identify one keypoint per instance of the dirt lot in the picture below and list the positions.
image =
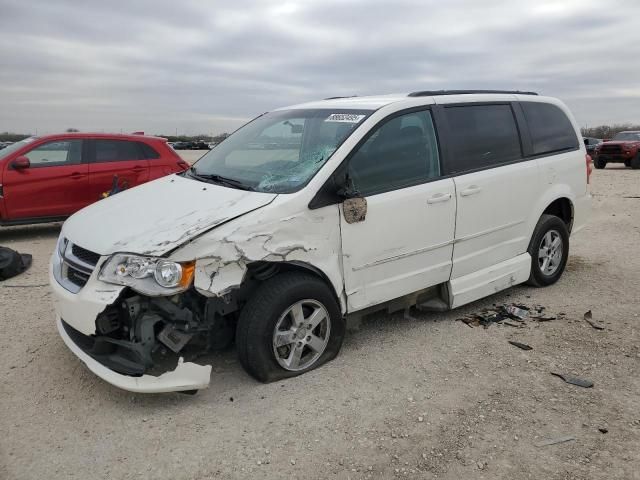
(427, 397)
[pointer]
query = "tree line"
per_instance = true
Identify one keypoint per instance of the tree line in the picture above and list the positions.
(608, 131)
(16, 137)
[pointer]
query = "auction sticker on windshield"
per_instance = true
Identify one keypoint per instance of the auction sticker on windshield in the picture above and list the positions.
(344, 118)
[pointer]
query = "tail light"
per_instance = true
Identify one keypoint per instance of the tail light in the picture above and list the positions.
(587, 157)
(183, 165)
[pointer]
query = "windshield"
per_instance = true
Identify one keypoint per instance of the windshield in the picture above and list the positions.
(5, 152)
(627, 136)
(279, 152)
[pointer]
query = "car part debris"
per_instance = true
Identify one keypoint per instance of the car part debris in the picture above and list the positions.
(603, 430)
(522, 346)
(556, 441)
(588, 317)
(517, 311)
(13, 263)
(574, 380)
(507, 314)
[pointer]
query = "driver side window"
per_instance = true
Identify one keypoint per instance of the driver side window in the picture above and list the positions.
(400, 153)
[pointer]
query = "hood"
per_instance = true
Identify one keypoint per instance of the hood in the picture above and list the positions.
(156, 217)
(619, 142)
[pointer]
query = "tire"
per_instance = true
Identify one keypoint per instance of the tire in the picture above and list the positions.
(549, 227)
(635, 162)
(627, 163)
(266, 312)
(599, 164)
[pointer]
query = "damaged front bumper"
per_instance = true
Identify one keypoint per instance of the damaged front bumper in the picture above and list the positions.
(76, 315)
(187, 376)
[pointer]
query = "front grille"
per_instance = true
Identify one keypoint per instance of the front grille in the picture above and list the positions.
(611, 149)
(77, 277)
(76, 267)
(85, 255)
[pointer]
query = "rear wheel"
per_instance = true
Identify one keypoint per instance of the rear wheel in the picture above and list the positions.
(549, 250)
(291, 324)
(599, 163)
(635, 162)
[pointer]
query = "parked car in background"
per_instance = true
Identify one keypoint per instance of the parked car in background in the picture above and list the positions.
(624, 147)
(48, 178)
(181, 145)
(313, 214)
(590, 144)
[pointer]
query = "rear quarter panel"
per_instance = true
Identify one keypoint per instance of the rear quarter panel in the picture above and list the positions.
(562, 175)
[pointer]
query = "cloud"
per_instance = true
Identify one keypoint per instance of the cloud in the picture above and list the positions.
(196, 67)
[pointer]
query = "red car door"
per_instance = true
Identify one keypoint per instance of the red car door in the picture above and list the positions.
(111, 158)
(54, 184)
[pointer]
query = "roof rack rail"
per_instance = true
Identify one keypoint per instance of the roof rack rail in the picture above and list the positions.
(434, 93)
(336, 98)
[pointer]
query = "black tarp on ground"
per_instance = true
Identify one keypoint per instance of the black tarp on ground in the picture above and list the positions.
(13, 263)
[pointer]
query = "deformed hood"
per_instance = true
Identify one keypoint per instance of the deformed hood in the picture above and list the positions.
(158, 216)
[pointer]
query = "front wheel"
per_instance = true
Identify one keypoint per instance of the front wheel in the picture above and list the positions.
(291, 324)
(599, 163)
(635, 162)
(549, 250)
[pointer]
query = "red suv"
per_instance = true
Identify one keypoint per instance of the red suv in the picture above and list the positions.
(44, 179)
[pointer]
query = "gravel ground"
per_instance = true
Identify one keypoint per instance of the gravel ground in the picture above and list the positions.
(423, 397)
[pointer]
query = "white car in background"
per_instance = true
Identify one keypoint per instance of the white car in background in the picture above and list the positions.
(314, 214)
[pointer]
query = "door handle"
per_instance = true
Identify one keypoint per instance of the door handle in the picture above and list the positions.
(77, 175)
(471, 190)
(439, 198)
(138, 169)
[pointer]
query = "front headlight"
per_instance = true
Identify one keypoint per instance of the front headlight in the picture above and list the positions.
(148, 275)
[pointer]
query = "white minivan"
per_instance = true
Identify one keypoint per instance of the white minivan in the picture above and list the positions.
(315, 214)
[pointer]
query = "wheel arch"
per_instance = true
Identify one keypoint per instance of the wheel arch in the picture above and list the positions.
(562, 208)
(263, 270)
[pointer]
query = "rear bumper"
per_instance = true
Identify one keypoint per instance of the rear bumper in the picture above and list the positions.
(581, 213)
(187, 376)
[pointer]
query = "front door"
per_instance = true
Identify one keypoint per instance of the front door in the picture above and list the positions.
(405, 242)
(54, 185)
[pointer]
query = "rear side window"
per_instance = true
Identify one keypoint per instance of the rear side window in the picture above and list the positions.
(148, 151)
(117, 151)
(550, 129)
(482, 136)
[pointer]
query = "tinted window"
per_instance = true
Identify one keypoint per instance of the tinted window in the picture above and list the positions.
(117, 150)
(65, 152)
(148, 151)
(401, 152)
(482, 136)
(550, 129)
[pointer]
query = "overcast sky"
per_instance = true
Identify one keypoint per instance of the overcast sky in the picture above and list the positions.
(199, 67)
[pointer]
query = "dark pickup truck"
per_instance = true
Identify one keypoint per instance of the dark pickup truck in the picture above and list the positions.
(624, 147)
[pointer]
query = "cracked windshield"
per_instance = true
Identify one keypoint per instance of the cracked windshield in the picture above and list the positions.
(278, 152)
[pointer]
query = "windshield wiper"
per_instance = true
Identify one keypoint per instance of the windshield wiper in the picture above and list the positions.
(215, 178)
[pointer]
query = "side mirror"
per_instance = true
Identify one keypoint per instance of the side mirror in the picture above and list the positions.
(21, 163)
(354, 209)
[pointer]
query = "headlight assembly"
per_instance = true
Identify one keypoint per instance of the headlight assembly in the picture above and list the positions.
(148, 275)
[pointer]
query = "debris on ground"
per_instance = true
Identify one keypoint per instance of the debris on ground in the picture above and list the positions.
(574, 380)
(588, 317)
(603, 430)
(522, 346)
(507, 315)
(519, 311)
(13, 263)
(556, 441)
